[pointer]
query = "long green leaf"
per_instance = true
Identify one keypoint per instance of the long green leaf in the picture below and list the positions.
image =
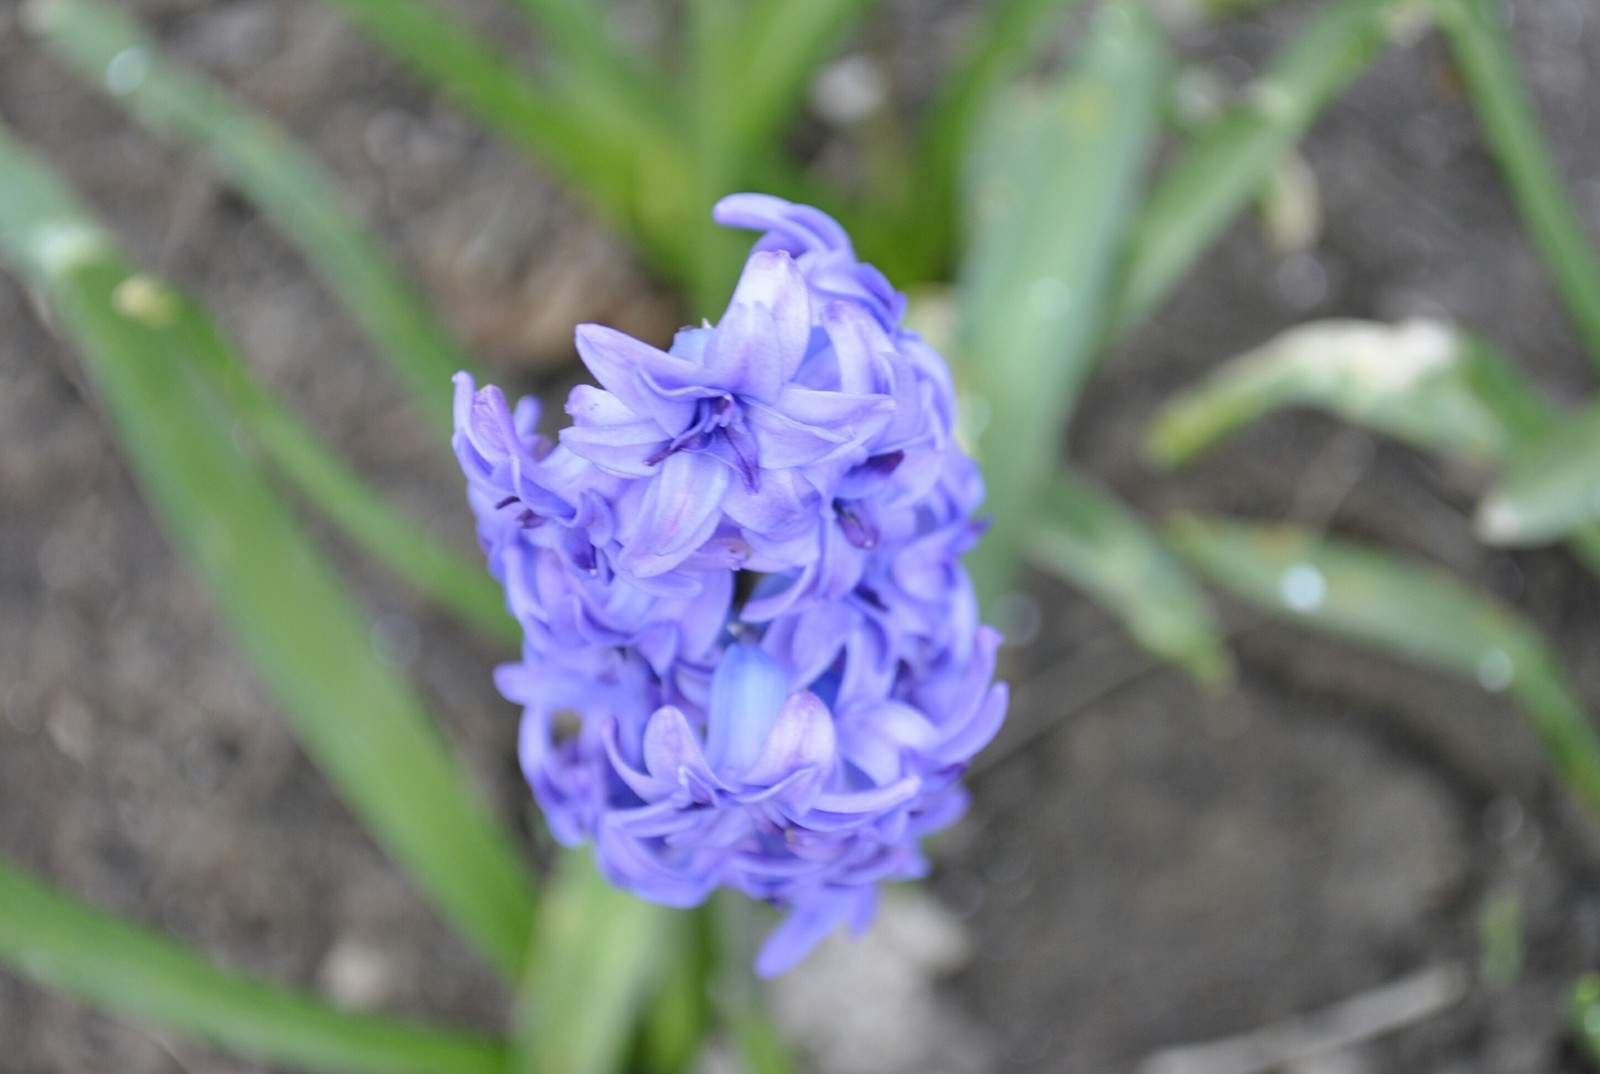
(585, 55)
(787, 40)
(1585, 1014)
(1482, 49)
(713, 81)
(366, 727)
(138, 973)
(1438, 388)
(595, 956)
(1404, 609)
(317, 472)
(1050, 189)
(679, 1014)
(1231, 160)
(735, 990)
(1012, 34)
(1422, 382)
(638, 179)
(1550, 489)
(110, 52)
(1094, 542)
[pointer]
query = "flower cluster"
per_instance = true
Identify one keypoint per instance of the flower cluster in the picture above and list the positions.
(752, 656)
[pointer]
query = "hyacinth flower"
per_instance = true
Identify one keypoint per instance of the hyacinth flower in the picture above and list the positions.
(751, 657)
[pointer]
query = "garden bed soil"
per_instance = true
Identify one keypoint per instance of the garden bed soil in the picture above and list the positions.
(1145, 866)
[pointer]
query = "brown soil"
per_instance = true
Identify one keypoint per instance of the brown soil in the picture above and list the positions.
(1144, 866)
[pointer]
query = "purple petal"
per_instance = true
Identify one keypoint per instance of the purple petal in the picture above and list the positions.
(679, 512)
(623, 862)
(763, 337)
(656, 820)
(862, 803)
(651, 788)
(873, 738)
(978, 731)
(619, 362)
(672, 750)
(800, 932)
(610, 435)
(801, 737)
(744, 355)
(806, 426)
(859, 343)
(775, 506)
(747, 692)
(795, 228)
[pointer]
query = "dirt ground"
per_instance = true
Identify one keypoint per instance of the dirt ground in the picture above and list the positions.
(1145, 867)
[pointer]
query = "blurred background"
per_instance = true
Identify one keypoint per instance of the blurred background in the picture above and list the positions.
(1148, 865)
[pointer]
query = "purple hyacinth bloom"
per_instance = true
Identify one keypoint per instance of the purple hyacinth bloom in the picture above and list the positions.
(751, 658)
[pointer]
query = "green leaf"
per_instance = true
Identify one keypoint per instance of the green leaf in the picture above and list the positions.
(1012, 35)
(138, 973)
(366, 728)
(679, 1016)
(735, 990)
(637, 177)
(1502, 940)
(1233, 158)
(292, 190)
(317, 472)
(1551, 488)
(587, 59)
(1092, 541)
(595, 956)
(714, 81)
(1401, 609)
(1438, 388)
(1423, 382)
(110, 52)
(1478, 40)
(1051, 185)
(784, 44)
(1585, 1014)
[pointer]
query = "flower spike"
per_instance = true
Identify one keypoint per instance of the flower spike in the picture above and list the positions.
(751, 655)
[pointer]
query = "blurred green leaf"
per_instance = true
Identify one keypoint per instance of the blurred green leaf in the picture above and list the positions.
(784, 43)
(916, 241)
(1503, 948)
(735, 990)
(1233, 9)
(365, 726)
(635, 175)
(1051, 185)
(1482, 49)
(1550, 489)
(138, 973)
(584, 54)
(679, 1014)
(110, 52)
(1423, 382)
(714, 80)
(1585, 1014)
(594, 959)
(292, 190)
(1092, 541)
(1401, 609)
(1230, 161)
(317, 472)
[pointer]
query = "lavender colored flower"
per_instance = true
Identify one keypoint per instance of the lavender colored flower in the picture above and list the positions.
(751, 657)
